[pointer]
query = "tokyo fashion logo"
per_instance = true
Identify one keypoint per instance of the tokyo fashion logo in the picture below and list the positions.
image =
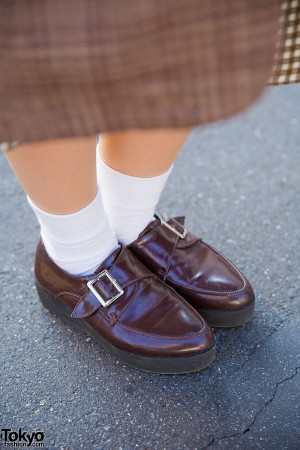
(21, 438)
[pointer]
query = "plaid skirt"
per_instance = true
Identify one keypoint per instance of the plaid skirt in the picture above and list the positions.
(75, 68)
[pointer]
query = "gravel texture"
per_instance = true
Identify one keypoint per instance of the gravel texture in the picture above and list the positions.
(237, 182)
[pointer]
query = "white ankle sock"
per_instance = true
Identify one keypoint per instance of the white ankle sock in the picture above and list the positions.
(129, 201)
(80, 241)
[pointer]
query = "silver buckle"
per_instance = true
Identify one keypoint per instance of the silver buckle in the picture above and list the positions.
(166, 224)
(105, 273)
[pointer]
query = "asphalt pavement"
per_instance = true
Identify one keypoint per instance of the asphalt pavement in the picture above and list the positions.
(238, 183)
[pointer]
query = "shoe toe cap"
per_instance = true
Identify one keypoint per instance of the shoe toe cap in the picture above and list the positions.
(213, 281)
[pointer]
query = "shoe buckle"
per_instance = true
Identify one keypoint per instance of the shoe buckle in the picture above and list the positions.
(163, 221)
(105, 302)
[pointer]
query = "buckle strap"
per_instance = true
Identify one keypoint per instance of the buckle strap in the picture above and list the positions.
(177, 228)
(180, 238)
(109, 285)
(180, 233)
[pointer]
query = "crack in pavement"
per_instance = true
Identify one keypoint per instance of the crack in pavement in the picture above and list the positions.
(254, 350)
(257, 414)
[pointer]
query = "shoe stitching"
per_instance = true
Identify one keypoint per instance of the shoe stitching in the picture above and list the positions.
(164, 271)
(159, 336)
(130, 300)
(107, 317)
(67, 293)
(89, 313)
(215, 293)
(169, 261)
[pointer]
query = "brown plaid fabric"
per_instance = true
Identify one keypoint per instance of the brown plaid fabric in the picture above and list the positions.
(79, 67)
(287, 61)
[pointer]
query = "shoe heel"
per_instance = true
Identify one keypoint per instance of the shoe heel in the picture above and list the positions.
(52, 304)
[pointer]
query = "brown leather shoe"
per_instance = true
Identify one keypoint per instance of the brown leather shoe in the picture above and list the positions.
(198, 272)
(130, 311)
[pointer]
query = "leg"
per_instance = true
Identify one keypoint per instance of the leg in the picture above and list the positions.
(142, 153)
(60, 179)
(133, 167)
(59, 176)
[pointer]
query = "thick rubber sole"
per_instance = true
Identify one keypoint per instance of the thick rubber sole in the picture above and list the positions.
(227, 319)
(154, 364)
